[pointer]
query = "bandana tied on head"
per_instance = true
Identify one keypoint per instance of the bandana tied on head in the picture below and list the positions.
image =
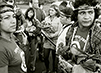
(3, 11)
(85, 4)
(85, 7)
(4, 4)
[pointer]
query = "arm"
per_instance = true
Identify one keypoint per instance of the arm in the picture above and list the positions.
(20, 16)
(24, 21)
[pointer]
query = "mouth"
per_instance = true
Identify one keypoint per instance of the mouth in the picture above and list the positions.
(14, 26)
(86, 21)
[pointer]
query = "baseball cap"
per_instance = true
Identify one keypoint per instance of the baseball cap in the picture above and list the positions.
(67, 11)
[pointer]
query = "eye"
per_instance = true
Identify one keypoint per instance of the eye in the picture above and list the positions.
(82, 13)
(6, 17)
(90, 12)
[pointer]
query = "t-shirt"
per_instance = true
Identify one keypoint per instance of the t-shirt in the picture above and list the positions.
(12, 56)
(81, 37)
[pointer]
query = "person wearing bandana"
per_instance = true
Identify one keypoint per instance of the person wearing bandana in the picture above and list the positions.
(82, 45)
(12, 57)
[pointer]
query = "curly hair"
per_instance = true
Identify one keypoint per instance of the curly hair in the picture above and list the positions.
(82, 2)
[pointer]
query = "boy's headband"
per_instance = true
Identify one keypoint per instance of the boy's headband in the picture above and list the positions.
(3, 11)
(84, 7)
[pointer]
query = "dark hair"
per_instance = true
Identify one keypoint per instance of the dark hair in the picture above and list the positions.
(87, 2)
(26, 14)
(64, 3)
(78, 3)
(67, 11)
(56, 8)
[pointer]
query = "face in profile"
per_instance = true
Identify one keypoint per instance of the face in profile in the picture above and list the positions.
(8, 21)
(30, 13)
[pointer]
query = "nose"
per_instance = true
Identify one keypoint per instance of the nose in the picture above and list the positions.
(86, 15)
(13, 20)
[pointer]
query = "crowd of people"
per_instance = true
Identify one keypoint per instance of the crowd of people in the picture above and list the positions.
(71, 34)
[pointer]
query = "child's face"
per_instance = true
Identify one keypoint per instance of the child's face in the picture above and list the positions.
(30, 13)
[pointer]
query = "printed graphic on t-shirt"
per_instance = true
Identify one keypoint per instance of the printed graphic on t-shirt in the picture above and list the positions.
(79, 43)
(22, 55)
(79, 38)
(23, 65)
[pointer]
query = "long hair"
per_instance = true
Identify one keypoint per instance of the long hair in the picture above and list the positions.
(26, 14)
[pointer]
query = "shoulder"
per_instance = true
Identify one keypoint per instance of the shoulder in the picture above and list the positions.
(4, 56)
(96, 33)
(2, 44)
(4, 47)
(3, 50)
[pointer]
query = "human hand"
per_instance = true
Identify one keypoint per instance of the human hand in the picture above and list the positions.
(21, 29)
(62, 49)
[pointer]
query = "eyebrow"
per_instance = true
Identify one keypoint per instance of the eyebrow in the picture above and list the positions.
(6, 15)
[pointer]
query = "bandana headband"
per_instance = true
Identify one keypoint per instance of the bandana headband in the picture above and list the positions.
(6, 11)
(85, 7)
